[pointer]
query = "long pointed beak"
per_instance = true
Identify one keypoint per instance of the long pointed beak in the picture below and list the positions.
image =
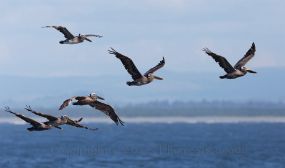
(79, 120)
(100, 98)
(158, 78)
(88, 39)
(251, 71)
(57, 127)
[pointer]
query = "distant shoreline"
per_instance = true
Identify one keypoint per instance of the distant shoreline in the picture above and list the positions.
(173, 120)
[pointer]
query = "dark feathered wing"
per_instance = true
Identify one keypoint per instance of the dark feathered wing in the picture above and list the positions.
(64, 31)
(65, 104)
(76, 124)
(73, 122)
(249, 54)
(128, 64)
(157, 67)
(221, 60)
(28, 120)
(79, 98)
(108, 110)
(49, 117)
(68, 101)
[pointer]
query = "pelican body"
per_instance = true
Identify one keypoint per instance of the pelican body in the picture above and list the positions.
(235, 74)
(75, 40)
(138, 78)
(239, 69)
(70, 38)
(143, 80)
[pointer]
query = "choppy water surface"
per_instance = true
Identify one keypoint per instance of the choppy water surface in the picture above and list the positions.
(146, 145)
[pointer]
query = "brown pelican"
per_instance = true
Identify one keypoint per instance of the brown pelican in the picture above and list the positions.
(138, 78)
(92, 100)
(57, 121)
(238, 70)
(70, 38)
(36, 126)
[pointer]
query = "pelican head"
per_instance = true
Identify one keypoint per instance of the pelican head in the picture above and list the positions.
(64, 117)
(151, 76)
(93, 95)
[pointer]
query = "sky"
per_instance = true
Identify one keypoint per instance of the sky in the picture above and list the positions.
(33, 65)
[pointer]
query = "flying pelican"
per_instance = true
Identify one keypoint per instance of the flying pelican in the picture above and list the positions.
(238, 70)
(138, 78)
(70, 38)
(36, 126)
(92, 100)
(57, 121)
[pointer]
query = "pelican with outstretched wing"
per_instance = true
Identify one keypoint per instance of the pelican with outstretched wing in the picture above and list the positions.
(138, 78)
(92, 100)
(70, 38)
(57, 121)
(239, 69)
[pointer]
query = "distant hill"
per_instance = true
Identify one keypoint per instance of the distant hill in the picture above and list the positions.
(49, 92)
(165, 108)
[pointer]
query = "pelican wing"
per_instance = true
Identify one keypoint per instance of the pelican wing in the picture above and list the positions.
(79, 98)
(221, 60)
(29, 120)
(75, 123)
(157, 67)
(108, 110)
(63, 30)
(249, 54)
(26, 119)
(128, 64)
(49, 117)
(66, 103)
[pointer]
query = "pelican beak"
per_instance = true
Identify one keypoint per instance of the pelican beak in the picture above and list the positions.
(100, 98)
(251, 71)
(158, 78)
(80, 119)
(57, 127)
(88, 39)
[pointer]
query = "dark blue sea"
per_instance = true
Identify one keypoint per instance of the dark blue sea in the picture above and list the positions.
(257, 145)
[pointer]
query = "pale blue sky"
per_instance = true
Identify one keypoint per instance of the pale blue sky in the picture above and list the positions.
(145, 31)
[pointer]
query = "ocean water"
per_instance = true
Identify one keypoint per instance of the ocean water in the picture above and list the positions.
(252, 145)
